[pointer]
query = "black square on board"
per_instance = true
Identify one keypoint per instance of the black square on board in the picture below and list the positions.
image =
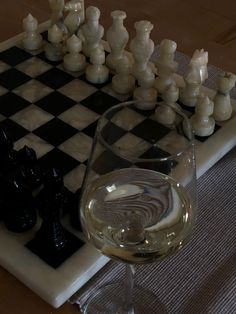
(108, 161)
(187, 108)
(14, 56)
(155, 152)
(74, 212)
(112, 133)
(55, 258)
(145, 113)
(42, 56)
(59, 160)
(55, 103)
(99, 102)
(13, 78)
(55, 78)
(204, 138)
(90, 130)
(150, 130)
(55, 131)
(10, 103)
(14, 130)
(163, 166)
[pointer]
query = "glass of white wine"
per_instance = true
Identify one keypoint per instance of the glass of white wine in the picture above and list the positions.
(138, 200)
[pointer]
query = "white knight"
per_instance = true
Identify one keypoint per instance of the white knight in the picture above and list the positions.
(194, 77)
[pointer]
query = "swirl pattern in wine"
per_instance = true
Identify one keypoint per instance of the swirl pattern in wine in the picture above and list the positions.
(136, 215)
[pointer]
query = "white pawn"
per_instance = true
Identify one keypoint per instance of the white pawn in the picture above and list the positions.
(166, 66)
(97, 72)
(222, 103)
(167, 54)
(73, 18)
(117, 38)
(164, 112)
(54, 49)
(202, 122)
(32, 40)
(145, 92)
(74, 61)
(91, 32)
(123, 82)
(142, 47)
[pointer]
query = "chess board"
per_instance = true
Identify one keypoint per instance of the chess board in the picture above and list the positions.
(56, 112)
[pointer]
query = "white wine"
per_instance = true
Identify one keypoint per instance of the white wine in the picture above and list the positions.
(136, 215)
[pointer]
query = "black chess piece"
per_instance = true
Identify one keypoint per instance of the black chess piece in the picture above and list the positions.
(19, 212)
(53, 243)
(8, 162)
(8, 156)
(29, 167)
(6, 143)
(55, 191)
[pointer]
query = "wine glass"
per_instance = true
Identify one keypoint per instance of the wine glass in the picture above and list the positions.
(138, 199)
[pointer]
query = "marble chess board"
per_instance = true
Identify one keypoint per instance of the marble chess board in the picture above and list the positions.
(56, 112)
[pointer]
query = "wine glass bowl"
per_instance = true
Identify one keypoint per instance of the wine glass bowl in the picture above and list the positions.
(139, 194)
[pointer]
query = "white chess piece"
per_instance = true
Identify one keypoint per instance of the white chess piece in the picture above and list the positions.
(222, 103)
(164, 112)
(194, 77)
(57, 18)
(73, 18)
(202, 122)
(166, 66)
(74, 61)
(97, 72)
(123, 82)
(200, 59)
(146, 93)
(142, 47)
(117, 38)
(91, 32)
(57, 7)
(54, 49)
(32, 40)
(167, 54)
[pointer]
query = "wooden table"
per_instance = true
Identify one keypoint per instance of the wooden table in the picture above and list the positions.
(208, 24)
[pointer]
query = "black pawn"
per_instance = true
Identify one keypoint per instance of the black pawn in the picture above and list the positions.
(29, 168)
(8, 159)
(8, 162)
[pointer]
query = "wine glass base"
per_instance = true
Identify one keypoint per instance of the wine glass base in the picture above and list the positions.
(109, 299)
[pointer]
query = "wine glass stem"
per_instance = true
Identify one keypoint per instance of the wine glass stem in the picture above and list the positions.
(129, 284)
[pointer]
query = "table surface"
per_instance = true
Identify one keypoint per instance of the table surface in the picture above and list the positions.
(208, 24)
